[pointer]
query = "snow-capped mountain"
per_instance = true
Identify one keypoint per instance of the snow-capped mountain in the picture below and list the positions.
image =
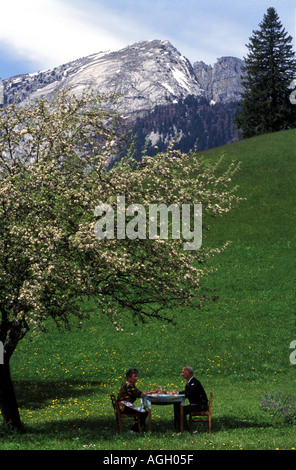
(149, 75)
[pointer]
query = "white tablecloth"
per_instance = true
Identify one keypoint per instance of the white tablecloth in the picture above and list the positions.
(162, 399)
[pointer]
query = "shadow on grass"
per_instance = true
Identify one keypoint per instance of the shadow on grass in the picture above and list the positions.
(89, 428)
(104, 428)
(227, 423)
(33, 394)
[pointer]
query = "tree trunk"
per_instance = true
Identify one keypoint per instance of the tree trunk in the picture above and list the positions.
(8, 403)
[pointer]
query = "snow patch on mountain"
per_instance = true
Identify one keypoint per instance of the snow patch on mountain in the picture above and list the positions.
(181, 79)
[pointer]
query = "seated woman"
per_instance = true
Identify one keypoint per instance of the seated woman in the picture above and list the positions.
(128, 394)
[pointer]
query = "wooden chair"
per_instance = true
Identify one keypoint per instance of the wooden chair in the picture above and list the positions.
(196, 415)
(120, 416)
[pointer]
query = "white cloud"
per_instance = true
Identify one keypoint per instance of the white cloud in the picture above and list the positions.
(50, 32)
(47, 33)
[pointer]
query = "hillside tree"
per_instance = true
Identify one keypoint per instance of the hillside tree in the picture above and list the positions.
(54, 173)
(269, 68)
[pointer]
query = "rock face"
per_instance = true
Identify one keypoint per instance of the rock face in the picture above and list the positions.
(162, 93)
(147, 74)
(222, 82)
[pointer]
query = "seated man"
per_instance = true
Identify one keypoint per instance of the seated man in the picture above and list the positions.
(128, 394)
(196, 395)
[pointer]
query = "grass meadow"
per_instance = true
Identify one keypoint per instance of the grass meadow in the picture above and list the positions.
(239, 345)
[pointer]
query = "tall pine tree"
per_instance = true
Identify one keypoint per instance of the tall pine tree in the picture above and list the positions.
(269, 69)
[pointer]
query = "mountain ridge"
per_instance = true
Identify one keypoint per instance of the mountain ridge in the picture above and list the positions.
(157, 61)
(147, 75)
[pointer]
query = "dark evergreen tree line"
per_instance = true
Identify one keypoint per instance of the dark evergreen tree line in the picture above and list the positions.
(270, 66)
(193, 122)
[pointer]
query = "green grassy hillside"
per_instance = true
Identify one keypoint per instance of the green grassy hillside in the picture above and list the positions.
(238, 345)
(256, 279)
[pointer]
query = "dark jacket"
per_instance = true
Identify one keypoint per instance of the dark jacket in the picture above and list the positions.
(195, 393)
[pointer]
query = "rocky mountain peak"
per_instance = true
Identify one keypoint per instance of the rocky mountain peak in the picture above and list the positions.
(147, 73)
(162, 94)
(222, 81)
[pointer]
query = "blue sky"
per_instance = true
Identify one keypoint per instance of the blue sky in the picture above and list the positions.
(40, 34)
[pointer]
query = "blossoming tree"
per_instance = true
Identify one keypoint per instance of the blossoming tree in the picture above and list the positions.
(54, 172)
